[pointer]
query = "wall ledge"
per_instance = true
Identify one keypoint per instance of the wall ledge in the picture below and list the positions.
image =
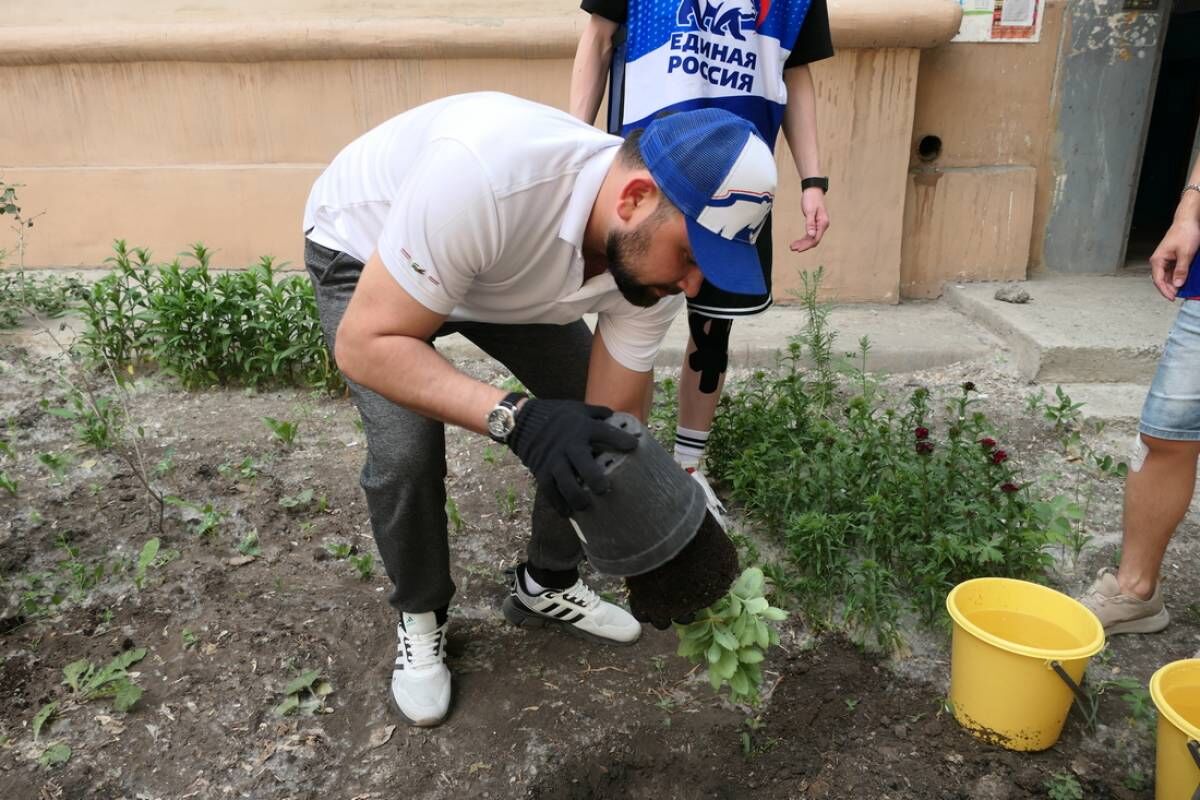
(223, 31)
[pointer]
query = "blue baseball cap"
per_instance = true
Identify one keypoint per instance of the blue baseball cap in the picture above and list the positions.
(719, 172)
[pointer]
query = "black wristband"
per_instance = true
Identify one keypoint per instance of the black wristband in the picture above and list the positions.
(815, 183)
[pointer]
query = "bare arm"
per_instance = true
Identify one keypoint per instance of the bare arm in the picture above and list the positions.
(590, 70)
(800, 131)
(381, 344)
(616, 386)
(1172, 258)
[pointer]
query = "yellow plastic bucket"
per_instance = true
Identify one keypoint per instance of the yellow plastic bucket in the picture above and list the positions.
(1176, 692)
(1015, 646)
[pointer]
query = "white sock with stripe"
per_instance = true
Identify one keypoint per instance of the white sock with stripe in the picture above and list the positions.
(689, 447)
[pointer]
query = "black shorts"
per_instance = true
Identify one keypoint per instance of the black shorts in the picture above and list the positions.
(713, 302)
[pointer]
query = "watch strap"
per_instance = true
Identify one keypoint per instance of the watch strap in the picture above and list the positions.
(1191, 187)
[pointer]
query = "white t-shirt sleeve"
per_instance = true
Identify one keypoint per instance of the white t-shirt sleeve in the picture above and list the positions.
(633, 336)
(443, 228)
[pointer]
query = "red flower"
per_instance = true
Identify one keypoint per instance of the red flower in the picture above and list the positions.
(924, 448)
(1009, 488)
(999, 457)
(987, 444)
(922, 434)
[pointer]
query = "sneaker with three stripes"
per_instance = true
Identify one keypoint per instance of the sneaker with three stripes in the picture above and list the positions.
(420, 679)
(577, 610)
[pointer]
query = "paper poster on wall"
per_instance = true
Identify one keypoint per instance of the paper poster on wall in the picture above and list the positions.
(1001, 20)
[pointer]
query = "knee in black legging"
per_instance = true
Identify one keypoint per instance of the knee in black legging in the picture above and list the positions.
(711, 357)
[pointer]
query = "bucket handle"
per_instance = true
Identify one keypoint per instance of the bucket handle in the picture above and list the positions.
(1080, 695)
(1194, 748)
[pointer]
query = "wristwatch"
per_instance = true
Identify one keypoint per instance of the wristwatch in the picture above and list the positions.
(815, 183)
(1191, 187)
(503, 418)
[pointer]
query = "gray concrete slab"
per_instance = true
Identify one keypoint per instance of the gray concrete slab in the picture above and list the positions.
(1076, 328)
(903, 338)
(1116, 404)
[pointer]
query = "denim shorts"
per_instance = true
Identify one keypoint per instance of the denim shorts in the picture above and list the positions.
(1172, 409)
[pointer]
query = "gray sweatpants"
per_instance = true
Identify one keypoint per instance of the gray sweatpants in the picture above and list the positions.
(404, 475)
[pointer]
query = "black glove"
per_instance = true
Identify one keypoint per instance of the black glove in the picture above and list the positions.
(556, 440)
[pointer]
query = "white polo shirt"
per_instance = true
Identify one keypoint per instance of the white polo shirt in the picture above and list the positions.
(477, 205)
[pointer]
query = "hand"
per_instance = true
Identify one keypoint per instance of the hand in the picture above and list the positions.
(816, 220)
(1173, 257)
(556, 440)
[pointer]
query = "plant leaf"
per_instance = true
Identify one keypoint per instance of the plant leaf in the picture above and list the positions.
(287, 706)
(128, 693)
(750, 655)
(42, 717)
(54, 755)
(74, 672)
(304, 681)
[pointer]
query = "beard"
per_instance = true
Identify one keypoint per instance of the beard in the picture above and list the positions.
(621, 249)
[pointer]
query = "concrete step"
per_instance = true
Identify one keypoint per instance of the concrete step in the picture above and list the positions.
(1076, 328)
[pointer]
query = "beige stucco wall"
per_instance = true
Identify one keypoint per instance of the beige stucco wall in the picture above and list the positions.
(979, 211)
(170, 122)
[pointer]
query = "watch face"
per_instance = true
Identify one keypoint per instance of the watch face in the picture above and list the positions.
(500, 422)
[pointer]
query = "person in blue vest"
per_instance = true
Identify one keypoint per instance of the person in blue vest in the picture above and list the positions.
(749, 57)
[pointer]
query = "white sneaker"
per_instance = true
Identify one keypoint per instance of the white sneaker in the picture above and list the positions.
(715, 506)
(577, 610)
(420, 680)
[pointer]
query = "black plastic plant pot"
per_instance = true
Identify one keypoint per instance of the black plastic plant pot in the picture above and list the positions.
(650, 513)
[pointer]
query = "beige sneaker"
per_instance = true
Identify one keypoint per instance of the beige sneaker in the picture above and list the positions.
(1123, 613)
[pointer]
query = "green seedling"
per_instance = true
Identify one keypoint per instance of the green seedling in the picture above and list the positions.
(300, 500)
(1137, 698)
(42, 718)
(208, 518)
(87, 682)
(55, 755)
(283, 430)
(247, 469)
(97, 419)
(8, 483)
(165, 465)
(490, 455)
(189, 639)
(1063, 786)
(146, 557)
(339, 550)
(507, 500)
(364, 564)
(57, 463)
(248, 546)
(731, 636)
(305, 695)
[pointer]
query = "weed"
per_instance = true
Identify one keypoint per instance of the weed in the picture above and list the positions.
(490, 455)
(452, 516)
(8, 483)
(364, 564)
(189, 639)
(87, 682)
(1137, 698)
(19, 221)
(1136, 780)
(165, 465)
(96, 418)
(305, 695)
(206, 518)
(248, 545)
(1063, 786)
(57, 463)
(283, 430)
(247, 469)
(507, 501)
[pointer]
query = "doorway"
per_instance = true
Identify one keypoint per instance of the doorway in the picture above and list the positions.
(1172, 137)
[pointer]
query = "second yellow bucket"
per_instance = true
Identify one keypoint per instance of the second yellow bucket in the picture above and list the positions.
(1176, 692)
(1012, 639)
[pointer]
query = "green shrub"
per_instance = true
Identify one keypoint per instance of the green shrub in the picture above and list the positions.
(882, 509)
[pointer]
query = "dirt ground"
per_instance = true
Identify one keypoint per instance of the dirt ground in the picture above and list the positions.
(536, 714)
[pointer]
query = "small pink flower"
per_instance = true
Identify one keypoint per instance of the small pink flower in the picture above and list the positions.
(999, 457)
(987, 444)
(922, 434)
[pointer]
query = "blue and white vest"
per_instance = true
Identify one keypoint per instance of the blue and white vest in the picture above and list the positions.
(684, 54)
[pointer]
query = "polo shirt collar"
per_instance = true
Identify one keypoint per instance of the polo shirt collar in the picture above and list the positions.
(583, 196)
